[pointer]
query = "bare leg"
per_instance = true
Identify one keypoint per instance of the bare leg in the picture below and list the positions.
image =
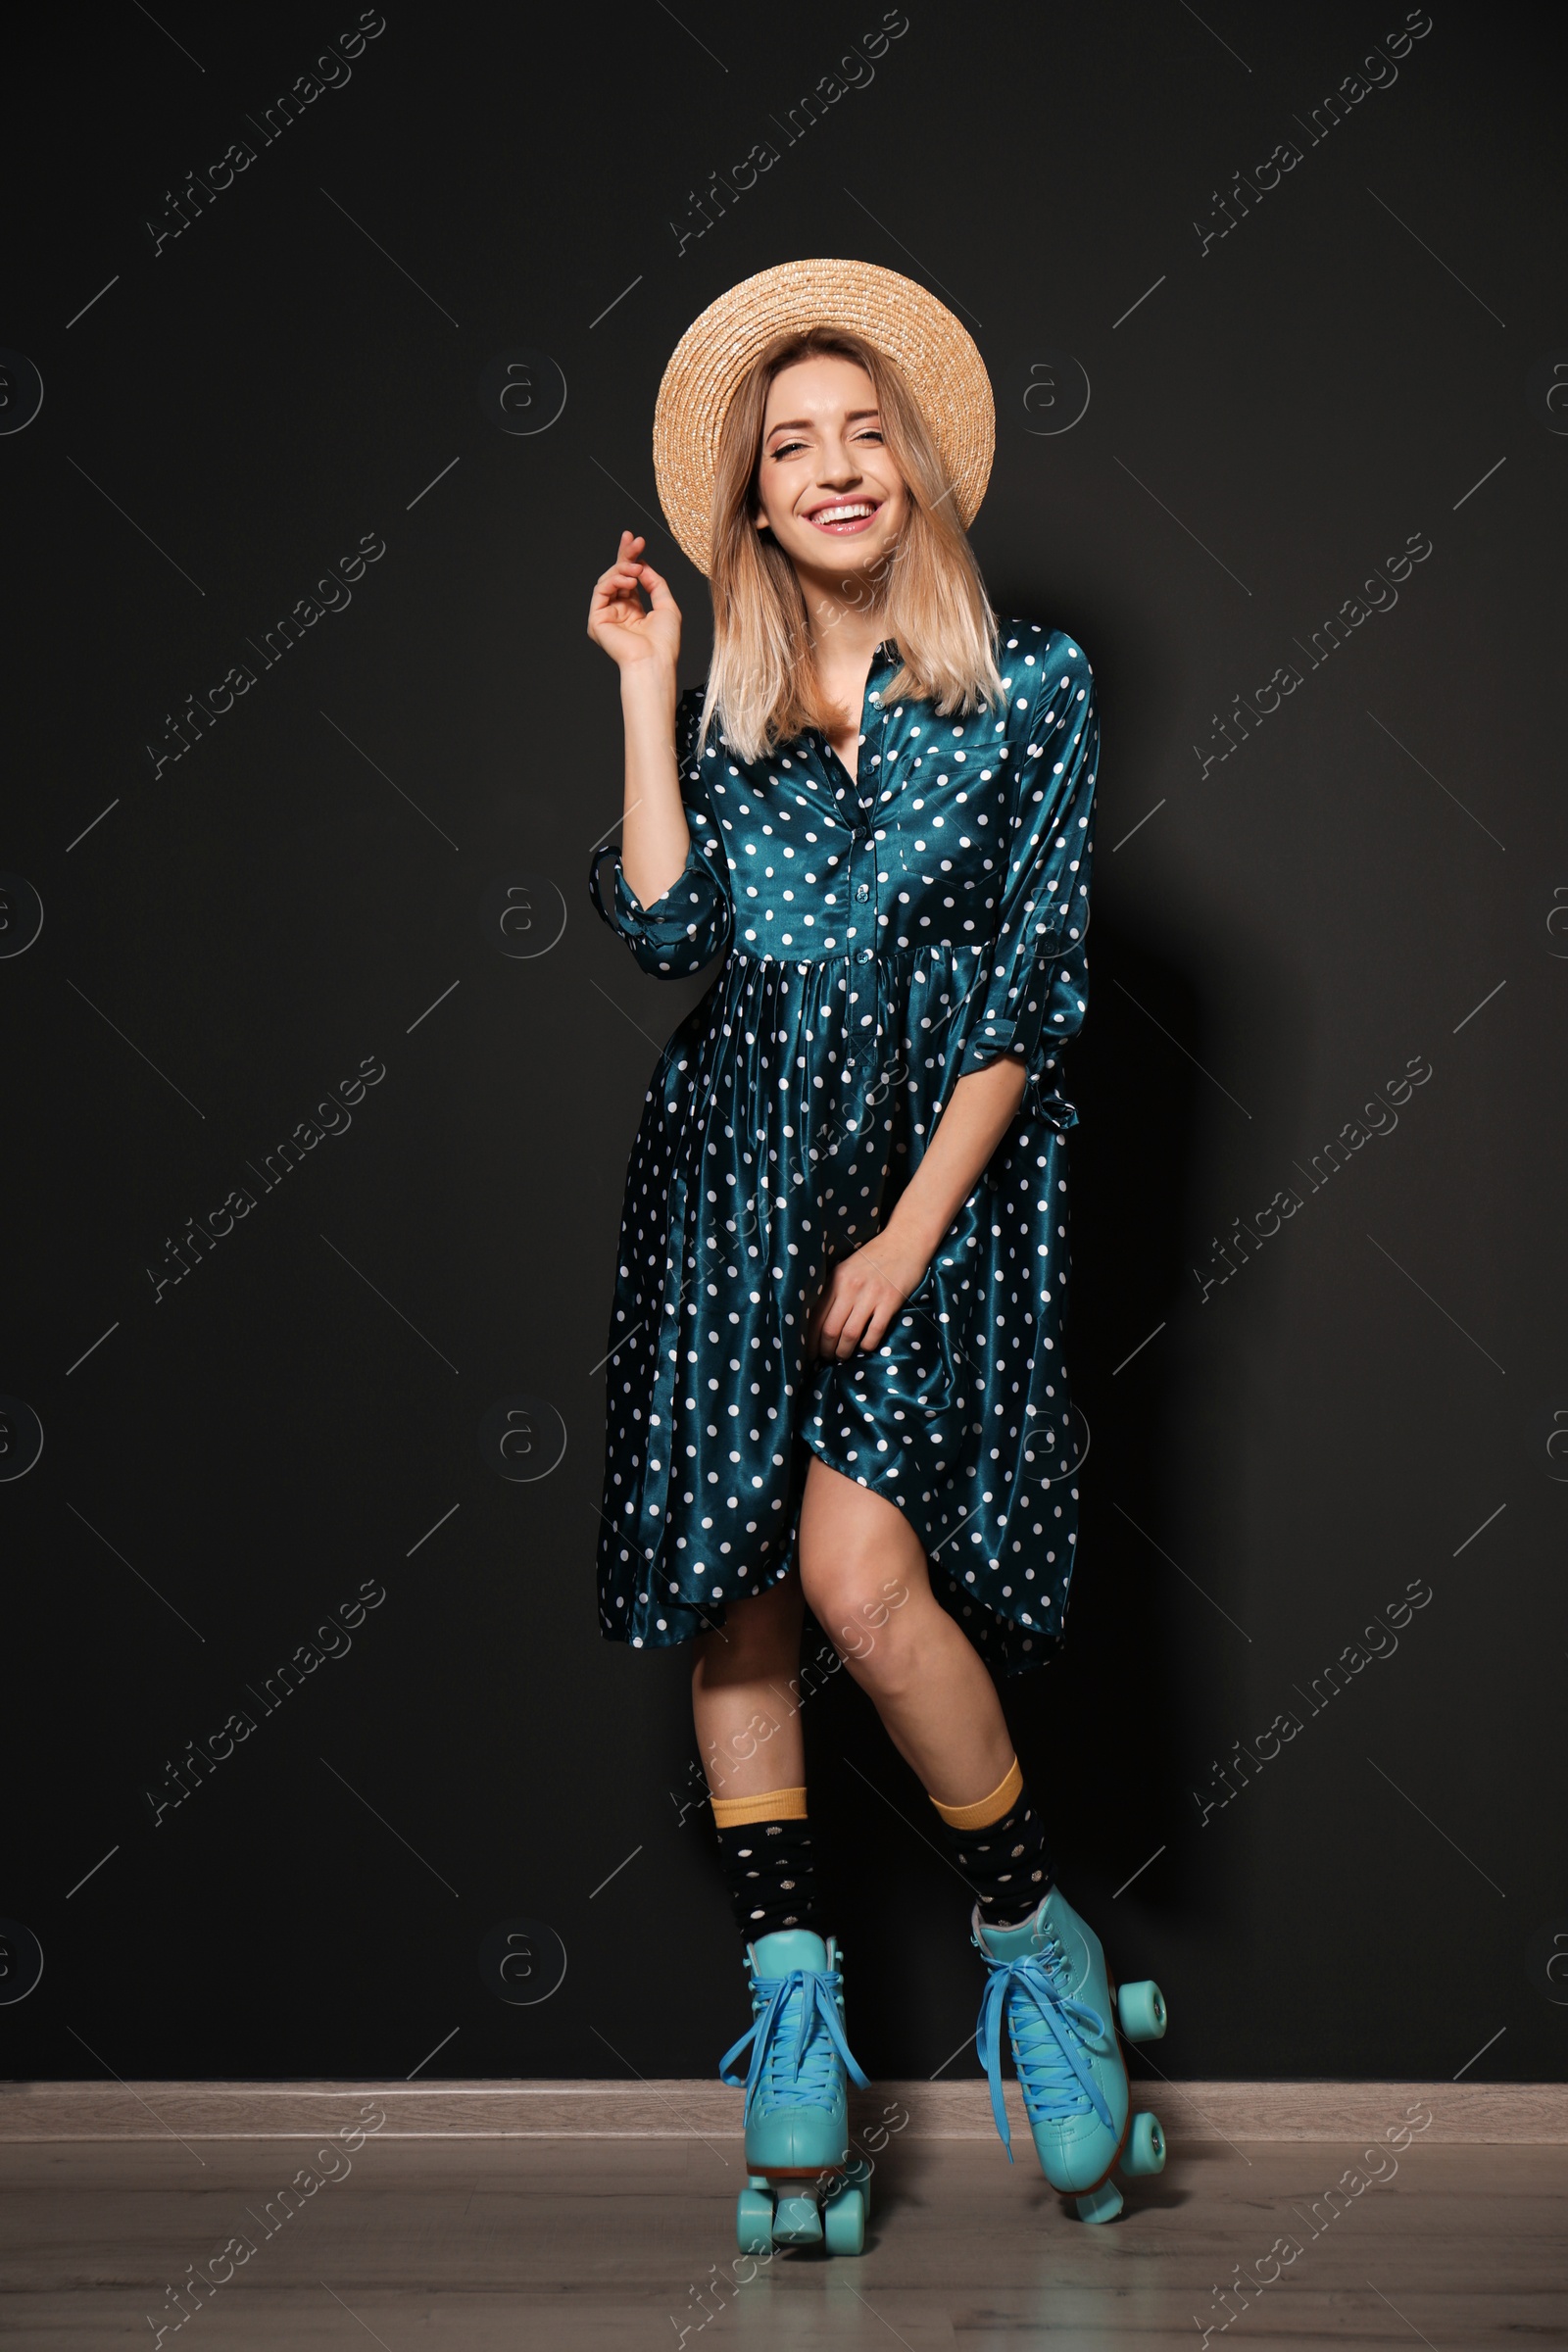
(864, 1573)
(747, 1715)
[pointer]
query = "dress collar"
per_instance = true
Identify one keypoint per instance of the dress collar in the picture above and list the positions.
(884, 661)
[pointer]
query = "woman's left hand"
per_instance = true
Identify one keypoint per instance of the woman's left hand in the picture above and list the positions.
(864, 1292)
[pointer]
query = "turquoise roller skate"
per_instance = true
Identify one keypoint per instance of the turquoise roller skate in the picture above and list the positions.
(1049, 1979)
(802, 2184)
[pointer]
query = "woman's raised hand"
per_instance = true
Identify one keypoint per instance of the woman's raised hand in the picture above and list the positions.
(619, 623)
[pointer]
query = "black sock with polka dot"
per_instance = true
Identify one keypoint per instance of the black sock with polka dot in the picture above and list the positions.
(1005, 1863)
(771, 1875)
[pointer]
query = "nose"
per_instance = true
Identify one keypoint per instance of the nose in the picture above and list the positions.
(839, 469)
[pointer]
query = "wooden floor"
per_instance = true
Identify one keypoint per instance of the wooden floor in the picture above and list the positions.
(536, 2244)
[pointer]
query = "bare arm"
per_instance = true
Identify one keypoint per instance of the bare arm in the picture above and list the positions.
(644, 644)
(868, 1288)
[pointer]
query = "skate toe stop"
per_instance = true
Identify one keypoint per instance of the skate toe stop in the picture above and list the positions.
(796, 2223)
(1102, 2204)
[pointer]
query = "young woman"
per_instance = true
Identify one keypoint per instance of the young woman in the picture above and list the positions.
(836, 1377)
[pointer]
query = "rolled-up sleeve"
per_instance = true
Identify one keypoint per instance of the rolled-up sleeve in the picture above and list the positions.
(692, 922)
(1037, 986)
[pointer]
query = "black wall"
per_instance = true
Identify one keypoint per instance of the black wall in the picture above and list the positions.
(1376, 874)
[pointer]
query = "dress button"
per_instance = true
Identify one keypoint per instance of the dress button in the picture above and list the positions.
(866, 956)
(862, 890)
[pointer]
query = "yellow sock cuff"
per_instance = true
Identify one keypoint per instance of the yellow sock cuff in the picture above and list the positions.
(775, 1804)
(990, 1808)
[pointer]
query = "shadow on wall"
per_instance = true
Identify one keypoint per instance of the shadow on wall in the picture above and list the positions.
(1102, 1726)
(1151, 1660)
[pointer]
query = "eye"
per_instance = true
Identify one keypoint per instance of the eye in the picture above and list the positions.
(786, 449)
(871, 433)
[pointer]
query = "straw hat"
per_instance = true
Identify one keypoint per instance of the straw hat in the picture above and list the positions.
(939, 360)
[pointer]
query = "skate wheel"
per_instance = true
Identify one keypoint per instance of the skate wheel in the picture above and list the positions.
(1102, 2204)
(1142, 2010)
(753, 2221)
(796, 2222)
(1144, 2151)
(844, 2221)
(858, 2176)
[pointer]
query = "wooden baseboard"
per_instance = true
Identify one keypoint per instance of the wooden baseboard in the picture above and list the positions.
(1520, 2112)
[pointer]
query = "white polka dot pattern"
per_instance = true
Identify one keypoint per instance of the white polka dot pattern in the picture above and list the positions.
(884, 935)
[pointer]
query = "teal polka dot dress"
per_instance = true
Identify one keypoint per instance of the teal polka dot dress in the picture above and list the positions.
(881, 935)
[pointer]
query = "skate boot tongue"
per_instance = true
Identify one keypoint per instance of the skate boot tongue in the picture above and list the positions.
(789, 1948)
(1034, 1935)
(798, 2053)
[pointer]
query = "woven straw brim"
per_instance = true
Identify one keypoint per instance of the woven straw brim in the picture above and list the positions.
(936, 358)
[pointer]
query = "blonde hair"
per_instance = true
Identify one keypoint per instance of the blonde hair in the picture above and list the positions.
(762, 685)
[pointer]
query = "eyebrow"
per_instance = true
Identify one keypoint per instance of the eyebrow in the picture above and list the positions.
(802, 425)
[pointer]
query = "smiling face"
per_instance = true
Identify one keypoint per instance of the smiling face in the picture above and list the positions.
(827, 488)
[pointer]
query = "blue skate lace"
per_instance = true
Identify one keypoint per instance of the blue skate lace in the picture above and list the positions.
(1056, 2076)
(807, 2071)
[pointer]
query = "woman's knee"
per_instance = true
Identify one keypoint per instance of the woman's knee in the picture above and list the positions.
(861, 1605)
(863, 1570)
